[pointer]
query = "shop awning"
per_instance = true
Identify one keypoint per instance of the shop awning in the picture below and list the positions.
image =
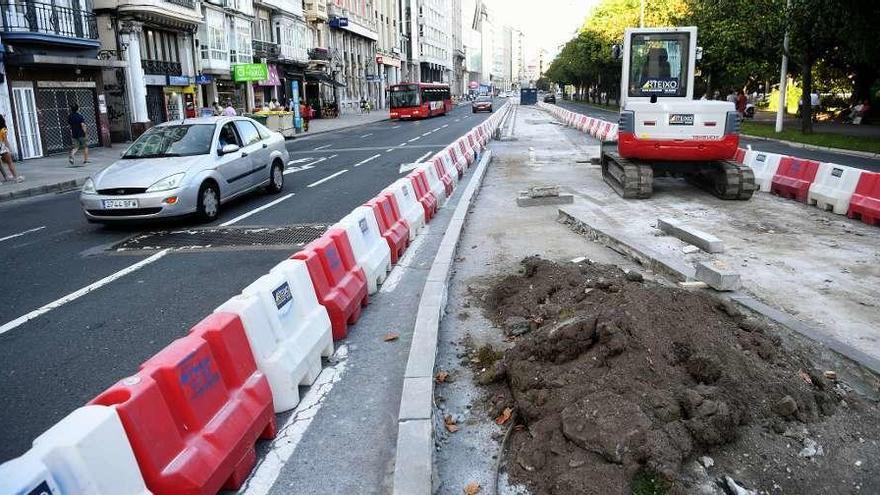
(38, 59)
(323, 78)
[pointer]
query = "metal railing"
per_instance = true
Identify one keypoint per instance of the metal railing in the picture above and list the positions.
(39, 17)
(319, 54)
(161, 67)
(190, 4)
(265, 49)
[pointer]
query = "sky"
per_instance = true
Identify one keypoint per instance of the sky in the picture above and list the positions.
(546, 24)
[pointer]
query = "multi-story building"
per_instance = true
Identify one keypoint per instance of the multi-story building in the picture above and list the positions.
(501, 57)
(388, 52)
(50, 61)
(156, 39)
(518, 62)
(435, 41)
(280, 40)
(472, 22)
(352, 43)
(458, 55)
(226, 40)
(409, 39)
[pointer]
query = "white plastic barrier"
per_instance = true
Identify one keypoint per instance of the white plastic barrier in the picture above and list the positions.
(448, 160)
(410, 209)
(286, 327)
(764, 166)
(834, 187)
(371, 251)
(434, 183)
(594, 127)
(86, 453)
(464, 149)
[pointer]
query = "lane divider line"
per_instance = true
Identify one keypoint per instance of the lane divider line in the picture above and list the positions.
(306, 166)
(13, 236)
(445, 125)
(419, 159)
(377, 155)
(427, 133)
(81, 292)
(256, 210)
(389, 149)
(414, 139)
(322, 147)
(395, 127)
(325, 179)
(367, 135)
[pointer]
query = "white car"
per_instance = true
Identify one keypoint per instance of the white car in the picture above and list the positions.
(187, 167)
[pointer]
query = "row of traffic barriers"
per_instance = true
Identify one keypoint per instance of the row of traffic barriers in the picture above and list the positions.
(836, 188)
(186, 422)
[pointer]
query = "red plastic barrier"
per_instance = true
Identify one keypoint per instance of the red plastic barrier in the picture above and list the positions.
(466, 153)
(459, 160)
(194, 410)
(445, 175)
(473, 142)
(340, 284)
(392, 225)
(424, 194)
(594, 127)
(793, 178)
(740, 156)
(865, 202)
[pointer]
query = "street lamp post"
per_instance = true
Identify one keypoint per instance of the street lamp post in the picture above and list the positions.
(783, 73)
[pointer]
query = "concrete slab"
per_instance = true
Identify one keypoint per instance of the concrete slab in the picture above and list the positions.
(562, 199)
(705, 241)
(414, 465)
(416, 399)
(718, 278)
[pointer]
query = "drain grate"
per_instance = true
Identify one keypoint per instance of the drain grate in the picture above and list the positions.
(214, 237)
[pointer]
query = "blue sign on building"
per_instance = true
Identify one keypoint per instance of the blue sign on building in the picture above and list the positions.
(338, 22)
(179, 81)
(204, 79)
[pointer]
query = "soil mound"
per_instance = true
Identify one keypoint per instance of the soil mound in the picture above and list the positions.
(621, 385)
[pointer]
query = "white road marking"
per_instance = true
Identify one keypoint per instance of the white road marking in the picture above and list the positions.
(395, 127)
(305, 167)
(325, 179)
(13, 236)
(414, 139)
(256, 210)
(292, 431)
(322, 147)
(367, 135)
(427, 133)
(377, 155)
(456, 120)
(441, 127)
(401, 145)
(81, 292)
(389, 149)
(419, 159)
(445, 125)
(298, 160)
(397, 272)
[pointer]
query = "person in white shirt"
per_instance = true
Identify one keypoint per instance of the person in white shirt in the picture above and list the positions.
(229, 111)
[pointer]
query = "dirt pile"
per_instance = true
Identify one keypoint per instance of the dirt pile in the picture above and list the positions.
(622, 385)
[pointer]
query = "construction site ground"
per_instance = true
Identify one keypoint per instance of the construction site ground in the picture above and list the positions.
(819, 268)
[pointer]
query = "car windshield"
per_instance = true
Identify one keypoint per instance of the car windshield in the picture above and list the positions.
(172, 140)
(658, 64)
(484, 98)
(405, 96)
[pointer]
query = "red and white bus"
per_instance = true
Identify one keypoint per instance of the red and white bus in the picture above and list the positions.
(419, 100)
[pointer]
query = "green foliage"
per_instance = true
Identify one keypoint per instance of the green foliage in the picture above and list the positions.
(648, 482)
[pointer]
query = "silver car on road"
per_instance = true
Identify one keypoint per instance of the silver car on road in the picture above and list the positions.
(187, 167)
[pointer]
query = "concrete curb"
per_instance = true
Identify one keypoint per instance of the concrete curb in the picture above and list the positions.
(414, 464)
(678, 270)
(813, 147)
(61, 186)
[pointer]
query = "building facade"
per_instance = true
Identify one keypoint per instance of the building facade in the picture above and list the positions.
(435, 41)
(458, 86)
(388, 51)
(50, 61)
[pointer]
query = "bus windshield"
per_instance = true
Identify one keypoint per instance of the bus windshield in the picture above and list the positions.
(405, 96)
(658, 64)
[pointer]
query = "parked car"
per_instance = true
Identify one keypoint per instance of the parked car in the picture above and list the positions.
(550, 98)
(187, 167)
(482, 104)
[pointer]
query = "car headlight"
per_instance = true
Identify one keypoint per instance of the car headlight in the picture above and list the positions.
(170, 182)
(89, 187)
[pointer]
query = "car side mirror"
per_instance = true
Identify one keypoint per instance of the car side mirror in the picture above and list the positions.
(229, 148)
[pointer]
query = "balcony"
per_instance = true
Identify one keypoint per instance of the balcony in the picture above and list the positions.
(190, 4)
(161, 67)
(265, 49)
(315, 10)
(47, 23)
(320, 54)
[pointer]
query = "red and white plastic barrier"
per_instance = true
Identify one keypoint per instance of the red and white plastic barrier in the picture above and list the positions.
(764, 166)
(87, 452)
(288, 331)
(408, 204)
(434, 183)
(833, 187)
(793, 178)
(371, 251)
(419, 181)
(392, 225)
(865, 201)
(194, 410)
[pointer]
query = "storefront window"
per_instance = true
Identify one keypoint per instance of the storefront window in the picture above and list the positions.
(216, 35)
(243, 47)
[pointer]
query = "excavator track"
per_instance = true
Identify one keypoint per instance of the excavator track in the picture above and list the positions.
(628, 179)
(726, 180)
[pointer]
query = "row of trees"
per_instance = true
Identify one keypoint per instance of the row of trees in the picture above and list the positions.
(742, 40)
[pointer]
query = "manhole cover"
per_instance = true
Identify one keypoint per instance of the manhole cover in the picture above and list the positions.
(213, 237)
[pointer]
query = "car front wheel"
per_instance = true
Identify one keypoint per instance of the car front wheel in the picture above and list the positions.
(276, 178)
(208, 207)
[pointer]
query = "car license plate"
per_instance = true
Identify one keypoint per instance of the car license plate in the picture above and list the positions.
(681, 119)
(115, 204)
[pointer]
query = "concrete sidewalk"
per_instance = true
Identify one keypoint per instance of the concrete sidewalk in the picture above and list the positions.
(53, 173)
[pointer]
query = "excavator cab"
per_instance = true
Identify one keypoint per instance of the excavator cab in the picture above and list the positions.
(662, 129)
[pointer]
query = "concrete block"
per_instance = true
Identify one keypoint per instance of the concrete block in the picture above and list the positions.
(562, 199)
(413, 466)
(423, 350)
(718, 278)
(704, 241)
(417, 397)
(541, 191)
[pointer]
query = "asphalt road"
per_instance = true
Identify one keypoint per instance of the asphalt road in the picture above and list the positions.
(759, 144)
(63, 357)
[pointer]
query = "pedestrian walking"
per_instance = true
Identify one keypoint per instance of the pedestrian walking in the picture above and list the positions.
(78, 133)
(732, 96)
(229, 111)
(6, 154)
(741, 103)
(218, 110)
